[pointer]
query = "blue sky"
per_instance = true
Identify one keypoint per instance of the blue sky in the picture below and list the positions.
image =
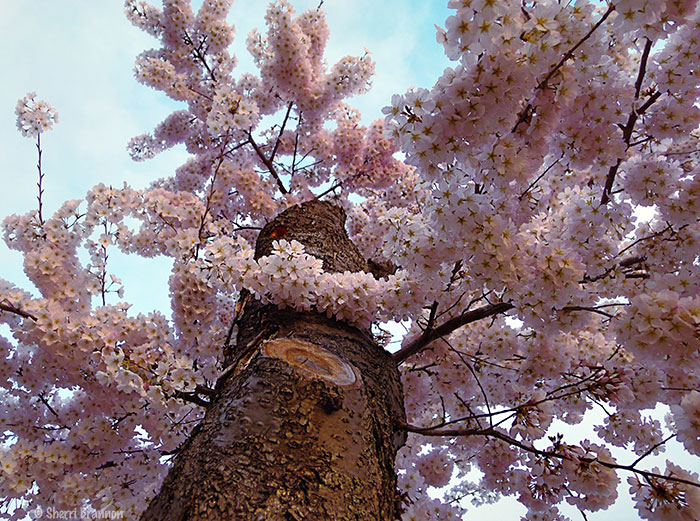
(78, 55)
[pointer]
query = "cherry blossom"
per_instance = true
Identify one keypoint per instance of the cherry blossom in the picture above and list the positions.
(34, 116)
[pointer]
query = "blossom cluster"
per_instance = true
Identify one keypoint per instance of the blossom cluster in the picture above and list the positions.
(686, 416)
(231, 111)
(34, 116)
(663, 327)
(290, 277)
(666, 501)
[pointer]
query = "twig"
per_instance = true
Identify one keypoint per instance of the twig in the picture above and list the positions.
(586, 308)
(538, 178)
(41, 178)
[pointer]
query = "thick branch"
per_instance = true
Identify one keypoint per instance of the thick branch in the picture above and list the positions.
(448, 327)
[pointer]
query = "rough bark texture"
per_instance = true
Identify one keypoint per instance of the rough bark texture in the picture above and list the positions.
(301, 427)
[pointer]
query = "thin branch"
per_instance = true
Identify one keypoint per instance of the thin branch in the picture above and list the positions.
(608, 464)
(651, 449)
(235, 147)
(431, 318)
(210, 195)
(296, 146)
(448, 327)
(279, 136)
(197, 54)
(545, 453)
(478, 383)
(473, 301)
(538, 178)
(627, 136)
(652, 236)
(6, 305)
(192, 397)
(319, 161)
(518, 408)
(642, 69)
(332, 188)
(642, 141)
(242, 353)
(586, 308)
(567, 56)
(206, 96)
(240, 227)
(43, 400)
(238, 311)
(307, 154)
(270, 167)
(338, 184)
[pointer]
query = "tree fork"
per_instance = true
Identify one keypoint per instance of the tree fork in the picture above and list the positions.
(304, 426)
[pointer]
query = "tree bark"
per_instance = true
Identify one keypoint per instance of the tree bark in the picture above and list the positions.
(302, 424)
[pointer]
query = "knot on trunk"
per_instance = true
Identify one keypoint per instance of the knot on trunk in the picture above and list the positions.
(312, 361)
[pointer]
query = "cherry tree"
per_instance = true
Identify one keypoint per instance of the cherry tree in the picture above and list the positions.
(508, 238)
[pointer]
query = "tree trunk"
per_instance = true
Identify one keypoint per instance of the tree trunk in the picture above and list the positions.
(302, 424)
